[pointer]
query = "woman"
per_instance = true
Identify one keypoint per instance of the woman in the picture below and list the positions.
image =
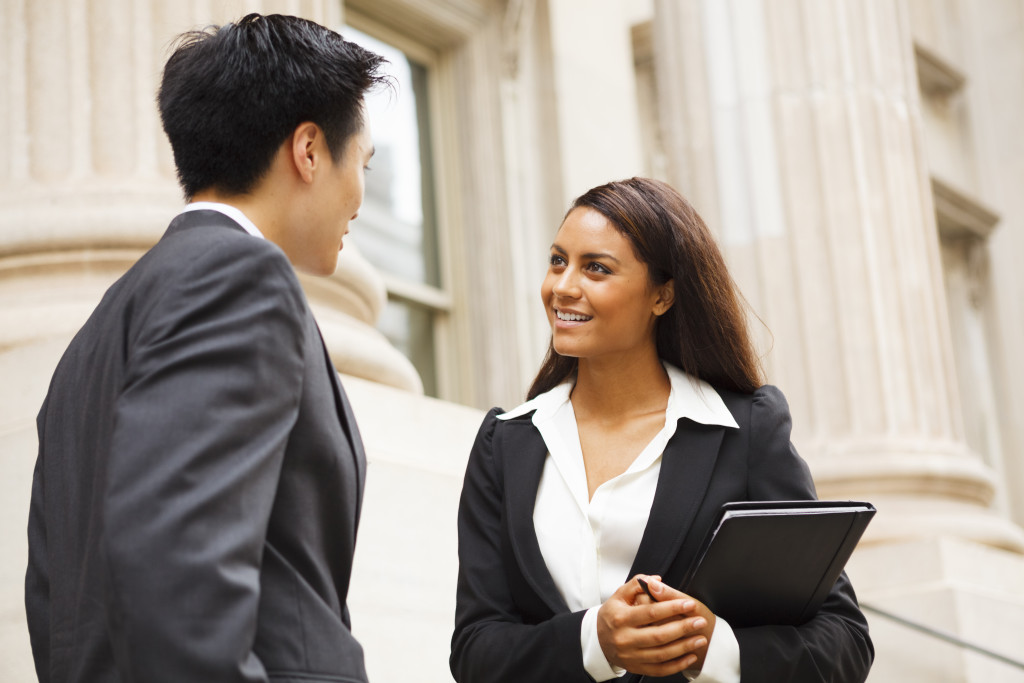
(647, 415)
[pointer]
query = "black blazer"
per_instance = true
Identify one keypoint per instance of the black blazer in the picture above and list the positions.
(511, 622)
(198, 482)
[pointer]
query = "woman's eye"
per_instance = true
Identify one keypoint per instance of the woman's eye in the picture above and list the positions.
(556, 260)
(598, 268)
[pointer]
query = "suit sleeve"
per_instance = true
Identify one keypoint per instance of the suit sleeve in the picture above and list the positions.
(210, 395)
(493, 641)
(37, 576)
(834, 645)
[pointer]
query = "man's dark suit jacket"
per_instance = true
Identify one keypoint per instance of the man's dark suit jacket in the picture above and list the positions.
(197, 489)
(513, 625)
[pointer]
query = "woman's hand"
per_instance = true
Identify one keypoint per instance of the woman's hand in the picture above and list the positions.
(657, 637)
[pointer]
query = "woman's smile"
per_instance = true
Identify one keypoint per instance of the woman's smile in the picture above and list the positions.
(567, 316)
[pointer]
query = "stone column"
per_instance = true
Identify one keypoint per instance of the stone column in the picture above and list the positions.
(86, 167)
(796, 128)
(819, 188)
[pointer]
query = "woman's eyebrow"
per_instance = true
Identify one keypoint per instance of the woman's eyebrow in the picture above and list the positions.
(588, 255)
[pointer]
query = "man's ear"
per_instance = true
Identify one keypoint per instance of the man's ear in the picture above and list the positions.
(666, 297)
(307, 147)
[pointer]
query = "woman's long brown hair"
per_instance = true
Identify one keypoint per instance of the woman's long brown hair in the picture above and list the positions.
(704, 333)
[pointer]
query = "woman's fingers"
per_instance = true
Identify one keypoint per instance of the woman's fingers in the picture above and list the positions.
(666, 659)
(623, 632)
(655, 631)
(654, 636)
(618, 615)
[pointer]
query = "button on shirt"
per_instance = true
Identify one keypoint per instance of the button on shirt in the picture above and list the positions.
(589, 545)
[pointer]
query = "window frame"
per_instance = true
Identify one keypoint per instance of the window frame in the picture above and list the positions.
(437, 300)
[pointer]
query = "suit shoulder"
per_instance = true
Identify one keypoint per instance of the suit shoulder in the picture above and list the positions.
(497, 425)
(217, 244)
(488, 425)
(767, 402)
(214, 256)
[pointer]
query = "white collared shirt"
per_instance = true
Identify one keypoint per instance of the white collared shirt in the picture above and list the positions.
(231, 212)
(589, 545)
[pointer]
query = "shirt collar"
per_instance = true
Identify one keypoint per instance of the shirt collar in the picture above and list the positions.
(697, 400)
(689, 397)
(231, 212)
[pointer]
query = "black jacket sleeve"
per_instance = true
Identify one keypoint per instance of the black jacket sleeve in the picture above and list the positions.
(494, 642)
(209, 398)
(834, 645)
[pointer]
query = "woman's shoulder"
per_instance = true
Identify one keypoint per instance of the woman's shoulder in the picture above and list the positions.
(497, 418)
(765, 392)
(767, 400)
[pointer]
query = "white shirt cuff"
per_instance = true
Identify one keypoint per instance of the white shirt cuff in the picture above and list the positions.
(594, 661)
(722, 663)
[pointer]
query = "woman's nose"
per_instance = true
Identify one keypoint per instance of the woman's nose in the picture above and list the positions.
(567, 284)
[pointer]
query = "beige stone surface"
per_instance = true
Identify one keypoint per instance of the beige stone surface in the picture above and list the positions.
(403, 584)
(967, 590)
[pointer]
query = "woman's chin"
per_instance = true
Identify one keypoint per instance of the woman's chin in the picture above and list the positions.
(569, 350)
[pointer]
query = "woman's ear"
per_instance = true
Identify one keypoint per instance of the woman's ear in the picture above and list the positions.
(666, 297)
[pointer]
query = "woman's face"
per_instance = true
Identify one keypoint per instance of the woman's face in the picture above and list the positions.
(597, 294)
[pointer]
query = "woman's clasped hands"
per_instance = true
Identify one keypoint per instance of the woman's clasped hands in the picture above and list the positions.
(658, 637)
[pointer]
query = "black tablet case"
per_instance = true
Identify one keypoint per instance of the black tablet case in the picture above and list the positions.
(775, 562)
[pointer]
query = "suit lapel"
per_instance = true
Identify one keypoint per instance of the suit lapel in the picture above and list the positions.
(523, 455)
(348, 422)
(686, 469)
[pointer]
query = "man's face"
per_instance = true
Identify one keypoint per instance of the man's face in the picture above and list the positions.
(338, 194)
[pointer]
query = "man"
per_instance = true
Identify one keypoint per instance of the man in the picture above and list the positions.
(198, 483)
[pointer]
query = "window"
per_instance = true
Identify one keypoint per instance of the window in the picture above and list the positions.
(397, 229)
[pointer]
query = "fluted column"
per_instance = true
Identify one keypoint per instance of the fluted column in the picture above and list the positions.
(86, 168)
(817, 185)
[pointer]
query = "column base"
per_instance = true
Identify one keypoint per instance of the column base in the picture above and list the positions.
(922, 489)
(967, 590)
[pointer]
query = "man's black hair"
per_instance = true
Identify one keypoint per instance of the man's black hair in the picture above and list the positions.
(232, 95)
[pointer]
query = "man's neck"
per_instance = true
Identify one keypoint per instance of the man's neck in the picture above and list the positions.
(249, 204)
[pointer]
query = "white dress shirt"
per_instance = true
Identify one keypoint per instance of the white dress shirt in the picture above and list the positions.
(229, 211)
(589, 545)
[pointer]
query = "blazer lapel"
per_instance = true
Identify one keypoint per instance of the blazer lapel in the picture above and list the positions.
(523, 455)
(348, 421)
(686, 469)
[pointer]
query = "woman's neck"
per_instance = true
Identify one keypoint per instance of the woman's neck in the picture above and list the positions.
(621, 388)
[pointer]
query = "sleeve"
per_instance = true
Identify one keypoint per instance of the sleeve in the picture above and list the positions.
(37, 577)
(493, 642)
(210, 396)
(834, 645)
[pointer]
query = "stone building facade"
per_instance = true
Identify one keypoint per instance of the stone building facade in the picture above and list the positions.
(859, 162)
